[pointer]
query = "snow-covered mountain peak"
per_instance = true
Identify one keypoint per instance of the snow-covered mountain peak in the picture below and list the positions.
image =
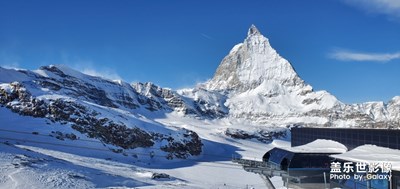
(395, 99)
(262, 85)
(251, 63)
(253, 30)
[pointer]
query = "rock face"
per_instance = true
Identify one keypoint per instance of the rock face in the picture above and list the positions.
(155, 98)
(264, 136)
(89, 105)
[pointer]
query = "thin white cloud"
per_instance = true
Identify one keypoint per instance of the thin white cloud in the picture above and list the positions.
(88, 67)
(102, 72)
(387, 7)
(9, 60)
(206, 36)
(345, 55)
(11, 65)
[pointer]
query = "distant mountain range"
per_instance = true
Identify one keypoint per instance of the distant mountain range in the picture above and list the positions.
(253, 83)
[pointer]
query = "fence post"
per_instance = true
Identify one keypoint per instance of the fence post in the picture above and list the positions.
(287, 182)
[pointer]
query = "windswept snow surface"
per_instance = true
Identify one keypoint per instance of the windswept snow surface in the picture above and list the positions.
(38, 160)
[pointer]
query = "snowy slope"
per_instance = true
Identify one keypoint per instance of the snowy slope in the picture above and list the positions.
(38, 160)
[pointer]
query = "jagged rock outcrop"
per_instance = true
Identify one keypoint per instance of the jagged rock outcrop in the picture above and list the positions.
(85, 104)
(261, 135)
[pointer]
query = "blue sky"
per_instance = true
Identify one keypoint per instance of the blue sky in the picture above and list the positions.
(350, 48)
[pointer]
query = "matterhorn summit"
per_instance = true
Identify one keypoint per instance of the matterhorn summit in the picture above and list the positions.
(251, 63)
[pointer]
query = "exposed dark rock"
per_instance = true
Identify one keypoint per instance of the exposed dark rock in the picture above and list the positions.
(61, 136)
(118, 134)
(264, 136)
(50, 85)
(60, 110)
(157, 176)
(191, 145)
(310, 101)
(53, 69)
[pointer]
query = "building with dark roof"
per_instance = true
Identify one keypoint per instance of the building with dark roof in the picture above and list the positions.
(306, 163)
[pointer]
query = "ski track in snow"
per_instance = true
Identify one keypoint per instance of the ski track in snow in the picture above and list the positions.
(11, 176)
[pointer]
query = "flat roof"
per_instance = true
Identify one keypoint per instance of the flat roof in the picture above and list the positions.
(316, 146)
(372, 154)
